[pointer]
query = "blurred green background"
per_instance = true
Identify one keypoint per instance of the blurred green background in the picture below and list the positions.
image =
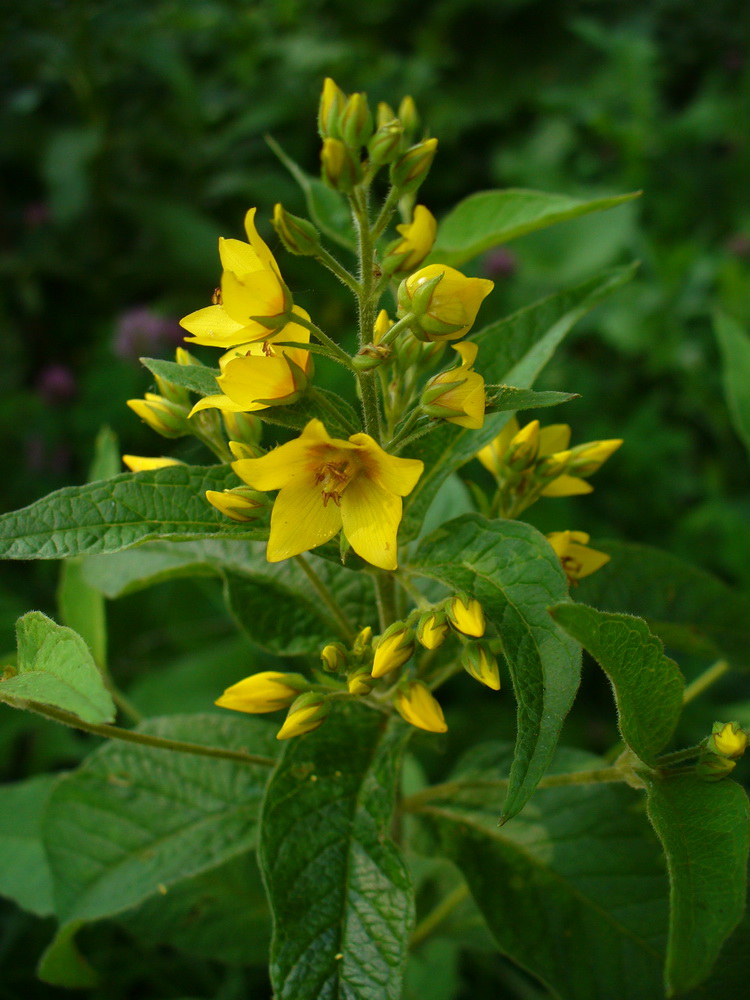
(132, 136)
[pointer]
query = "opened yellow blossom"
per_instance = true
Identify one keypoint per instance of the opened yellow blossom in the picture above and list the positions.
(140, 463)
(457, 395)
(327, 484)
(266, 691)
(261, 374)
(416, 704)
(577, 559)
(251, 285)
(449, 309)
(417, 238)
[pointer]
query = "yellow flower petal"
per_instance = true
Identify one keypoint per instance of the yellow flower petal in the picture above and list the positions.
(248, 295)
(371, 516)
(300, 521)
(212, 322)
(491, 455)
(216, 402)
(396, 475)
(567, 486)
(418, 707)
(554, 438)
(265, 256)
(139, 463)
(468, 351)
(238, 257)
(286, 464)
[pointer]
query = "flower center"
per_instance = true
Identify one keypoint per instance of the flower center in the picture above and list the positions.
(333, 476)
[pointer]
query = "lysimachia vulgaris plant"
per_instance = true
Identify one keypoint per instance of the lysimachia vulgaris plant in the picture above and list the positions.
(361, 500)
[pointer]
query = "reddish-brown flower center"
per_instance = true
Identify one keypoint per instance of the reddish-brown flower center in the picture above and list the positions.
(334, 477)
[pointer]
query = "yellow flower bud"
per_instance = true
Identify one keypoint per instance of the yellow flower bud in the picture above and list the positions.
(445, 301)
(384, 114)
(362, 641)
(492, 456)
(360, 682)
(408, 172)
(332, 101)
(587, 459)
(415, 703)
(241, 449)
(243, 427)
(138, 463)
(479, 662)
(466, 615)
(577, 559)
(395, 646)
(166, 418)
(385, 145)
(298, 235)
(334, 657)
(523, 449)
(241, 503)
(713, 767)
(267, 691)
(458, 394)
(417, 239)
(184, 357)
(728, 739)
(383, 323)
(356, 122)
(340, 170)
(407, 114)
(307, 713)
(432, 629)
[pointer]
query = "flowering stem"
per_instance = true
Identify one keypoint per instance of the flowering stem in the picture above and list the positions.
(435, 917)
(336, 352)
(144, 739)
(679, 755)
(704, 680)
(384, 217)
(403, 433)
(402, 324)
(385, 595)
(329, 261)
(347, 629)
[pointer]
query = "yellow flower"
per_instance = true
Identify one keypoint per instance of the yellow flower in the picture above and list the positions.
(492, 455)
(577, 559)
(466, 615)
(479, 662)
(251, 285)
(138, 463)
(259, 375)
(458, 391)
(451, 304)
(240, 503)
(417, 239)
(395, 646)
(432, 629)
(728, 739)
(416, 704)
(327, 484)
(382, 325)
(307, 713)
(267, 691)
(332, 101)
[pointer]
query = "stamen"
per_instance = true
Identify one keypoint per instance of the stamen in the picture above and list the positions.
(334, 476)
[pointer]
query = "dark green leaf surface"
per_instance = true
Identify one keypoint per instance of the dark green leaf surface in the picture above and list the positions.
(704, 829)
(647, 685)
(508, 397)
(55, 667)
(734, 343)
(488, 218)
(339, 890)
(512, 351)
(24, 873)
(196, 378)
(133, 820)
(114, 514)
(573, 889)
(512, 571)
(686, 607)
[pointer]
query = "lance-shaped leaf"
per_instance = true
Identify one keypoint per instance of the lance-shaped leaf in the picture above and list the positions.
(514, 574)
(196, 378)
(24, 872)
(117, 513)
(573, 889)
(734, 343)
(55, 667)
(688, 608)
(647, 685)
(513, 351)
(339, 890)
(705, 831)
(488, 218)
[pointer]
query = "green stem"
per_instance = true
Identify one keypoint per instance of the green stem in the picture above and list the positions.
(337, 353)
(428, 924)
(416, 595)
(329, 261)
(704, 680)
(385, 595)
(679, 755)
(402, 434)
(325, 404)
(347, 629)
(398, 327)
(144, 739)
(370, 408)
(384, 216)
(216, 445)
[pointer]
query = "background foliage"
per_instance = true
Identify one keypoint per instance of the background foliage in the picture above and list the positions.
(133, 136)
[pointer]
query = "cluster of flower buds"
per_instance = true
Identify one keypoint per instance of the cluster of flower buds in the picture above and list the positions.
(726, 744)
(356, 144)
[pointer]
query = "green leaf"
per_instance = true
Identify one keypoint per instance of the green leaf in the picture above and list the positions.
(55, 667)
(81, 607)
(509, 397)
(488, 218)
(573, 889)
(688, 608)
(62, 964)
(735, 353)
(327, 208)
(332, 409)
(106, 461)
(647, 685)
(339, 890)
(514, 574)
(704, 829)
(221, 915)
(279, 609)
(24, 873)
(134, 819)
(124, 511)
(513, 351)
(196, 378)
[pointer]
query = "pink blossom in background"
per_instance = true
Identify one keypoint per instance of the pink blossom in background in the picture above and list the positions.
(142, 332)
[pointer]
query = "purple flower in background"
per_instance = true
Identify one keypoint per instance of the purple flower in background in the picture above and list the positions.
(36, 214)
(56, 385)
(500, 263)
(739, 245)
(140, 331)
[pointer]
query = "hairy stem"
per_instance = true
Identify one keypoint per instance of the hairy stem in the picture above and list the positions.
(347, 629)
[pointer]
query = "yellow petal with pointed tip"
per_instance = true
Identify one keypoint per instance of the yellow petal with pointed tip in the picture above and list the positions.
(567, 486)
(370, 517)
(300, 521)
(554, 438)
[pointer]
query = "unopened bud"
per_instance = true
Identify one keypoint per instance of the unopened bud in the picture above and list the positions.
(360, 682)
(356, 122)
(432, 628)
(522, 450)
(384, 114)
(587, 459)
(395, 646)
(298, 235)
(267, 691)
(244, 427)
(728, 739)
(241, 503)
(240, 450)
(335, 658)
(479, 661)
(340, 170)
(466, 615)
(713, 767)
(166, 418)
(408, 172)
(332, 101)
(385, 145)
(307, 713)
(407, 115)
(416, 704)
(183, 357)
(362, 641)
(172, 392)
